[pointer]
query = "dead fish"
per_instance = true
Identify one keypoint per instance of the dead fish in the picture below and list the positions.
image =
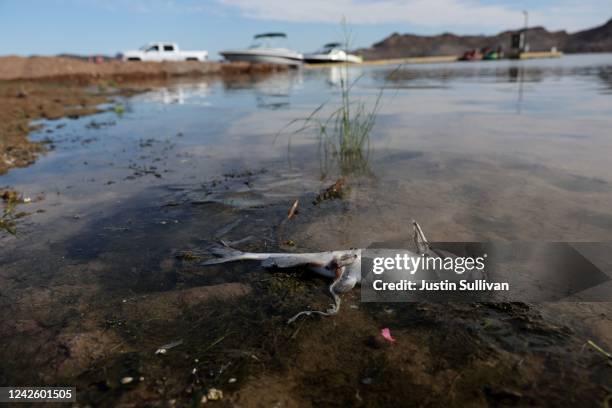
(343, 266)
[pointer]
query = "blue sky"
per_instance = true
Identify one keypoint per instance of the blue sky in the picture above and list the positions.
(107, 26)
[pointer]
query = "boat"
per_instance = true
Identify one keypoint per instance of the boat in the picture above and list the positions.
(331, 53)
(487, 54)
(266, 48)
(471, 55)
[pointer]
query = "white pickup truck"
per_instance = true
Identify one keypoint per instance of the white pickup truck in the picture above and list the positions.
(162, 51)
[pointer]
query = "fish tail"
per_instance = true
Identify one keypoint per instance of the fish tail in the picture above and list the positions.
(223, 254)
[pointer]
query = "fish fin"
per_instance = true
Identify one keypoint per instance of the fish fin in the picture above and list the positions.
(420, 240)
(223, 254)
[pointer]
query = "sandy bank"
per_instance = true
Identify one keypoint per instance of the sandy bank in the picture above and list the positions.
(13, 68)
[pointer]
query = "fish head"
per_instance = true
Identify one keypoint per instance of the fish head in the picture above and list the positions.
(348, 271)
(345, 259)
(341, 260)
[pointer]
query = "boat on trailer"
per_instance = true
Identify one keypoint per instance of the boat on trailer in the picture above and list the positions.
(266, 48)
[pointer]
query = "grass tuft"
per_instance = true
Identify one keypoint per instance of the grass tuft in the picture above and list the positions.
(344, 135)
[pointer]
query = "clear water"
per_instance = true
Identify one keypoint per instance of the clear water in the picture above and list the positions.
(512, 149)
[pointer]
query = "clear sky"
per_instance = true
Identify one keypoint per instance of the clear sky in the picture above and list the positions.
(107, 26)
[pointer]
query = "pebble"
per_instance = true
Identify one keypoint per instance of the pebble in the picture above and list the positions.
(232, 380)
(214, 394)
(127, 380)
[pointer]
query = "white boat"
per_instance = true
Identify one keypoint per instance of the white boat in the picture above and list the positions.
(266, 49)
(330, 53)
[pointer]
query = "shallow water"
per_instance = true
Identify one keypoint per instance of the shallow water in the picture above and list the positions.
(474, 151)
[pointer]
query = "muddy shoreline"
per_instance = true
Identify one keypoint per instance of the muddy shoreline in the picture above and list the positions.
(97, 311)
(113, 292)
(52, 88)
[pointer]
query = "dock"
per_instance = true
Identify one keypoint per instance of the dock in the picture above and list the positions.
(540, 54)
(396, 61)
(440, 59)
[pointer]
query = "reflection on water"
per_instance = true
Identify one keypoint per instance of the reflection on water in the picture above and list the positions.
(179, 93)
(270, 91)
(339, 73)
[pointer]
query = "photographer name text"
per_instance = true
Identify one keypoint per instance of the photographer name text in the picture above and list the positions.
(445, 285)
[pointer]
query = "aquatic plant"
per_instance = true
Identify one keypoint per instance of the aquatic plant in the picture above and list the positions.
(7, 222)
(344, 138)
(344, 135)
(119, 109)
(8, 216)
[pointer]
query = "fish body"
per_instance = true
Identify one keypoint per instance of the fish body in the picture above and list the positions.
(344, 266)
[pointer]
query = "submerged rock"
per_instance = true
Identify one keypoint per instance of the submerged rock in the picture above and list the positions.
(214, 394)
(127, 380)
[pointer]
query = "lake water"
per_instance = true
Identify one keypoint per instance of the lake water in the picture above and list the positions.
(507, 150)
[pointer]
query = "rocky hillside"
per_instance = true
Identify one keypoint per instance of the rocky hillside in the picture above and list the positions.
(597, 39)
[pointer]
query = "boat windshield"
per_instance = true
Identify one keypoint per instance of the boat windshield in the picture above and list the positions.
(269, 40)
(327, 48)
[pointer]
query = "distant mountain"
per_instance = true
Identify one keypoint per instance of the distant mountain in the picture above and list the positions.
(597, 39)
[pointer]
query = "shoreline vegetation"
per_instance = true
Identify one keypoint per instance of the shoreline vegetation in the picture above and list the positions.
(52, 88)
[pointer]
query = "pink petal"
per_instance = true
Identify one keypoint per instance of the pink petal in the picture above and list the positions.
(386, 333)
